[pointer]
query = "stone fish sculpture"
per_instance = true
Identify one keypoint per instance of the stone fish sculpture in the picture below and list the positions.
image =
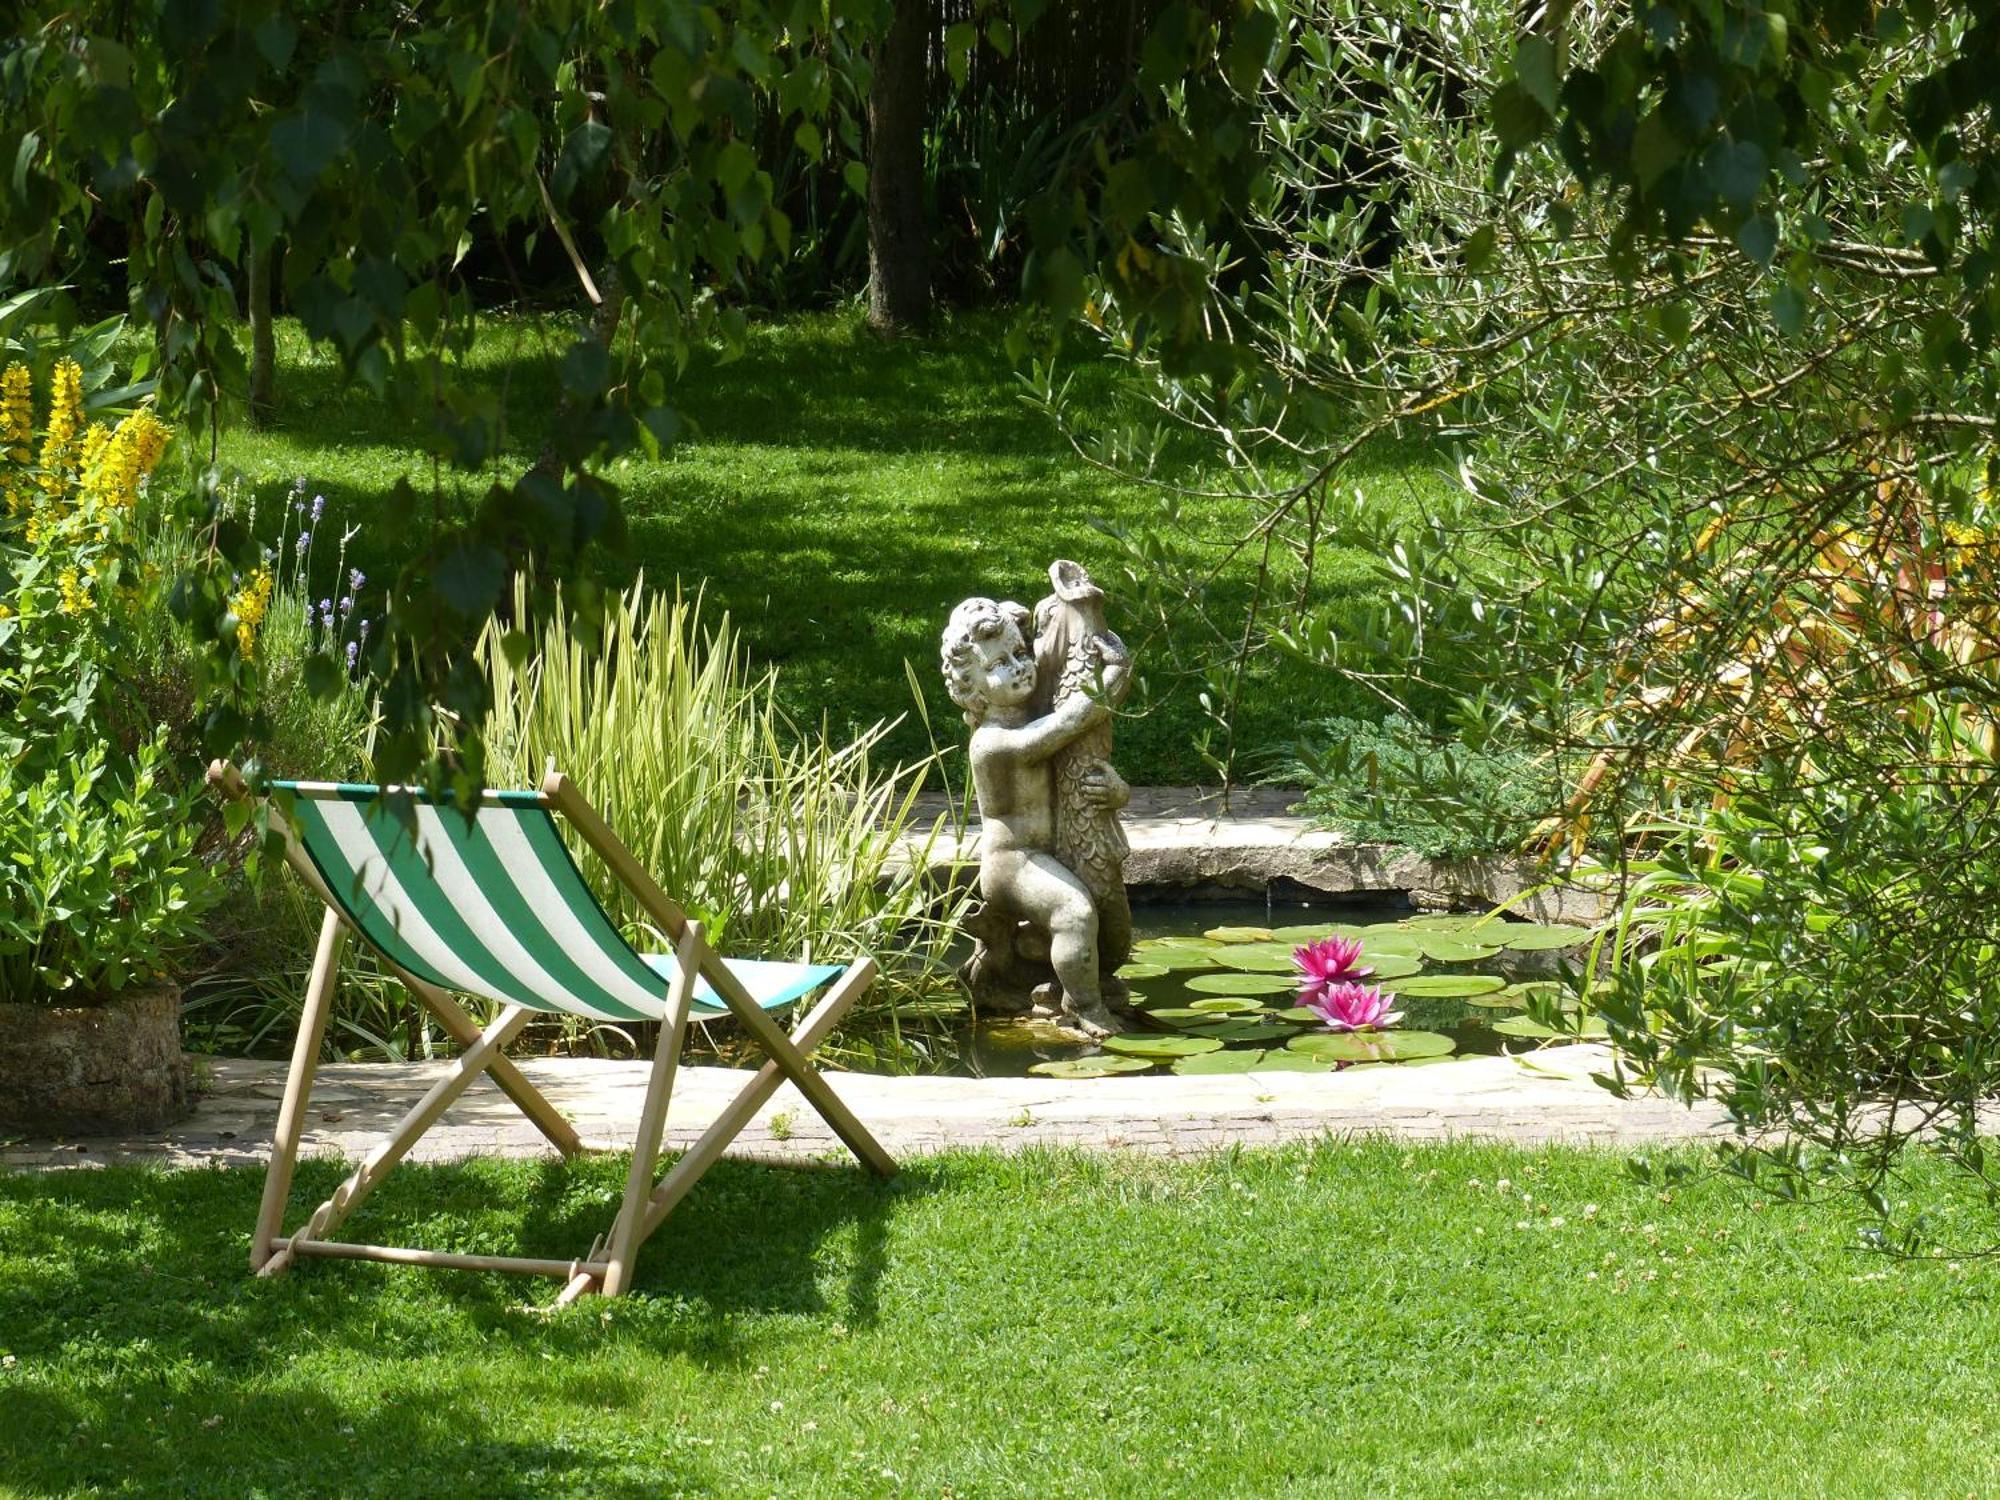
(1054, 920)
(1076, 654)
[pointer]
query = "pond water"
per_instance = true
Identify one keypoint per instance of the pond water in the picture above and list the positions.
(1215, 980)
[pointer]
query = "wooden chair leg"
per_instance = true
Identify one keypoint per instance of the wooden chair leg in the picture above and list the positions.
(368, 1176)
(628, 1232)
(729, 1124)
(298, 1087)
(803, 1075)
(543, 1115)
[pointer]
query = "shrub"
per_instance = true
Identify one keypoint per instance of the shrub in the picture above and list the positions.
(1817, 955)
(1398, 783)
(99, 886)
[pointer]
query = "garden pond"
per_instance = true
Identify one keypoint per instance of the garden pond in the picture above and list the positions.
(1218, 992)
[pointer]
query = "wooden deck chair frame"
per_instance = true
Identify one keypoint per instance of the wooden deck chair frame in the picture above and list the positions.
(607, 1266)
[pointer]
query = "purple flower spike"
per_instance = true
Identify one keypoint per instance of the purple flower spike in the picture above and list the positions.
(355, 578)
(305, 540)
(353, 651)
(319, 508)
(346, 605)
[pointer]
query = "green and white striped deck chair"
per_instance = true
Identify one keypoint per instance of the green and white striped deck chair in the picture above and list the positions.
(495, 907)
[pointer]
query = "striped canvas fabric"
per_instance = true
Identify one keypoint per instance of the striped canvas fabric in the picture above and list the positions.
(497, 908)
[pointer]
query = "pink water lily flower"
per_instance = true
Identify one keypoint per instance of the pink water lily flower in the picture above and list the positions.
(1353, 1007)
(1329, 961)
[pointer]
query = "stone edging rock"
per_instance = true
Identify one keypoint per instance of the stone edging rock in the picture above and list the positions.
(1182, 842)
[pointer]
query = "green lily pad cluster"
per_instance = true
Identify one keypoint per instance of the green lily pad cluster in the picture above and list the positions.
(1224, 1002)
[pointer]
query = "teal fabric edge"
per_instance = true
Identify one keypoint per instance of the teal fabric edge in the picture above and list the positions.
(810, 977)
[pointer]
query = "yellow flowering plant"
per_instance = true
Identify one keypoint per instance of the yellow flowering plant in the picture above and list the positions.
(100, 886)
(70, 489)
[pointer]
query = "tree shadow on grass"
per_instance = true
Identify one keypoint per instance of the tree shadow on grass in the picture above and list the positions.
(800, 384)
(144, 1351)
(224, 1436)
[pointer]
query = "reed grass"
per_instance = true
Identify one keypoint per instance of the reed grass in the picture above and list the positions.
(786, 841)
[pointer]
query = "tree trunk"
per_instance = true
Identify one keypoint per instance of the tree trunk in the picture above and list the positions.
(263, 353)
(899, 273)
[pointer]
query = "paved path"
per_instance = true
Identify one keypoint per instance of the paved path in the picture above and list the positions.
(1547, 1097)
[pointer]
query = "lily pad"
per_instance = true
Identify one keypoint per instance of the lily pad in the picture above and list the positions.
(1160, 1046)
(1237, 1029)
(1528, 1026)
(1219, 1062)
(1461, 985)
(1228, 935)
(1091, 1067)
(1180, 958)
(1258, 958)
(1389, 965)
(1172, 940)
(1497, 1000)
(1314, 932)
(1143, 971)
(1178, 1017)
(1300, 1015)
(1241, 984)
(1540, 937)
(1446, 949)
(1390, 939)
(1226, 1005)
(1459, 922)
(1284, 1061)
(1373, 1046)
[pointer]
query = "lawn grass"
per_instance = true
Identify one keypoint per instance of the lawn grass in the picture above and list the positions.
(838, 494)
(1348, 1318)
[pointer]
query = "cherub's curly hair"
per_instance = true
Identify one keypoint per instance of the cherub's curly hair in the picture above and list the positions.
(973, 621)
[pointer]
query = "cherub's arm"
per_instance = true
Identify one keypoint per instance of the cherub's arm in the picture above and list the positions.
(1041, 738)
(1116, 675)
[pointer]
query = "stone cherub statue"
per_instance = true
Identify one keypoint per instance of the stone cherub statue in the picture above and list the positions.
(1051, 851)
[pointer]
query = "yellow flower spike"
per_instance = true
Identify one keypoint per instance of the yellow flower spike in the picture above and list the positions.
(150, 437)
(65, 422)
(17, 413)
(113, 467)
(94, 439)
(75, 592)
(250, 605)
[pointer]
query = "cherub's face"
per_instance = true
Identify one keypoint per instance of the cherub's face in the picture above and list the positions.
(1006, 669)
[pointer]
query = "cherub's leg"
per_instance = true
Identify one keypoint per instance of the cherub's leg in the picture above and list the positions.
(1061, 904)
